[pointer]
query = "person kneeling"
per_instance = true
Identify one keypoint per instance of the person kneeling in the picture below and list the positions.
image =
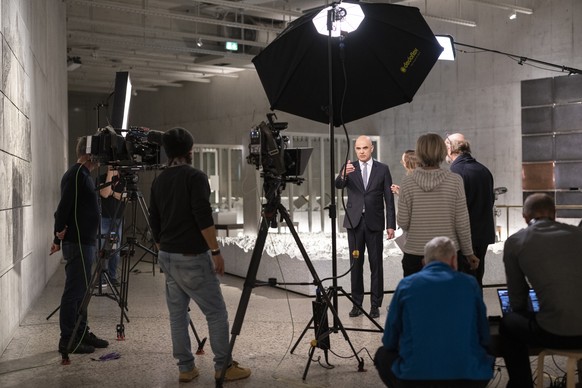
(436, 331)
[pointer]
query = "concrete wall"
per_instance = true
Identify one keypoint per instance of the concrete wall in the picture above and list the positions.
(478, 94)
(33, 143)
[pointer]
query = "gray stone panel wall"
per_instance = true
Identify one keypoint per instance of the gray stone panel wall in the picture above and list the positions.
(33, 128)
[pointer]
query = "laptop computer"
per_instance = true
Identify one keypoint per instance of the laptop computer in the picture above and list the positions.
(502, 294)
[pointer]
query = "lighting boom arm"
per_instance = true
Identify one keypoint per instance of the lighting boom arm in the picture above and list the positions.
(522, 59)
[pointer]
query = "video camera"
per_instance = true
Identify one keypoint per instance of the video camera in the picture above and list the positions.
(268, 150)
(139, 148)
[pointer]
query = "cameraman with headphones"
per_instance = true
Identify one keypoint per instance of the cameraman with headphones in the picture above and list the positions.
(76, 224)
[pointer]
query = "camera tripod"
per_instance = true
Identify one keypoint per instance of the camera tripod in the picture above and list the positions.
(127, 250)
(322, 332)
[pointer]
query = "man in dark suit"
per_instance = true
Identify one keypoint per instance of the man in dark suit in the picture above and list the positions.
(368, 185)
(480, 195)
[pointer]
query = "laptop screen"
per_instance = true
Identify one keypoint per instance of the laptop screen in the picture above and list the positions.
(533, 304)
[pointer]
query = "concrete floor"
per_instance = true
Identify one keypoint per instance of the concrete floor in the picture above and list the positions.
(273, 323)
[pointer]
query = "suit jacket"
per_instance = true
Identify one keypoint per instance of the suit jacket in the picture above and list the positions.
(374, 197)
(478, 183)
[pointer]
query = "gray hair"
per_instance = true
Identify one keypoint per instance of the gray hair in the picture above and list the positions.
(439, 249)
(81, 147)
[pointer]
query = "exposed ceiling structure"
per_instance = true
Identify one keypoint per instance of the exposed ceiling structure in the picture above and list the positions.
(166, 43)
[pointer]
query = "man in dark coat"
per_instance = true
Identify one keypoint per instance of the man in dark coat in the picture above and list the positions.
(480, 195)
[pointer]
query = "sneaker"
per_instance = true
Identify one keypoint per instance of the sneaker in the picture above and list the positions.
(234, 372)
(102, 284)
(78, 349)
(92, 340)
(188, 375)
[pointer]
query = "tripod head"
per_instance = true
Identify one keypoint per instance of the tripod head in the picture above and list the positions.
(130, 179)
(273, 185)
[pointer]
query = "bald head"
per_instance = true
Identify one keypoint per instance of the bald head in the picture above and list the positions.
(456, 145)
(364, 148)
(456, 137)
(539, 205)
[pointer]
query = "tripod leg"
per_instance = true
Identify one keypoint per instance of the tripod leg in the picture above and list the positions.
(53, 313)
(246, 293)
(311, 352)
(123, 291)
(348, 297)
(301, 336)
(145, 212)
(200, 349)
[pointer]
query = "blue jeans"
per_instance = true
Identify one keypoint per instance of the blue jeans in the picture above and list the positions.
(108, 226)
(77, 278)
(193, 277)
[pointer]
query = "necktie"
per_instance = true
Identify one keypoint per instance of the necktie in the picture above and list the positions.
(365, 175)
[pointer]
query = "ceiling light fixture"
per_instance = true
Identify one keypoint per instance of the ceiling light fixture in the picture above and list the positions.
(513, 15)
(199, 43)
(457, 21)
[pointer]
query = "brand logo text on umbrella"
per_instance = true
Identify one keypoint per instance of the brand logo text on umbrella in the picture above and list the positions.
(410, 60)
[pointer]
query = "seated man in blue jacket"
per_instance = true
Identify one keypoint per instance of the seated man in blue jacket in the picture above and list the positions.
(436, 331)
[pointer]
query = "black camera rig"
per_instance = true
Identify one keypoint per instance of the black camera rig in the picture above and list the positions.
(136, 148)
(268, 152)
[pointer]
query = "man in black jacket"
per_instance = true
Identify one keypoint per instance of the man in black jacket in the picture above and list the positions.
(478, 183)
(76, 224)
(189, 256)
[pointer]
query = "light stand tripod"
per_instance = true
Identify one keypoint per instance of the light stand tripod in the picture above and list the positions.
(273, 207)
(335, 13)
(135, 197)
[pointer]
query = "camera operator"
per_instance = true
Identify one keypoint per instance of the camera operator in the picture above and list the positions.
(189, 256)
(112, 208)
(76, 221)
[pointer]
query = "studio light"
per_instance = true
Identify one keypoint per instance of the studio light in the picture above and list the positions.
(346, 18)
(121, 99)
(513, 15)
(447, 42)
